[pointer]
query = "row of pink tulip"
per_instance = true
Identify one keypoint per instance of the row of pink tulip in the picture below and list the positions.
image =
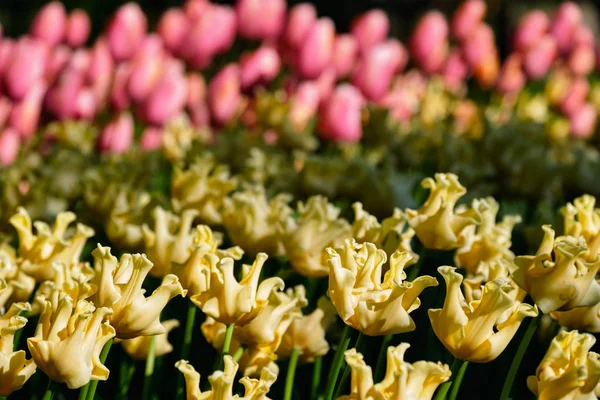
(49, 74)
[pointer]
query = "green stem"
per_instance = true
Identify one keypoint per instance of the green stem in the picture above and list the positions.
(50, 390)
(226, 345)
(516, 362)
(291, 372)
(187, 343)
(381, 359)
(316, 378)
(338, 359)
(458, 380)
(346, 375)
(90, 389)
(126, 371)
(445, 387)
(149, 369)
(238, 354)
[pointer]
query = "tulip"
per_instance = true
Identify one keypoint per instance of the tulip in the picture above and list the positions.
(575, 96)
(78, 28)
(61, 99)
(582, 60)
(196, 89)
(86, 104)
(583, 121)
(126, 209)
(583, 36)
(231, 302)
(146, 68)
(5, 109)
(370, 28)
(366, 302)
(119, 284)
(538, 59)
(173, 28)
(532, 27)
(569, 370)
(315, 52)
(138, 348)
(126, 31)
(483, 329)
(177, 138)
(194, 9)
(304, 105)
(455, 71)
(101, 70)
(260, 19)
(26, 68)
(580, 318)
(345, 52)
(477, 47)
(561, 287)
(167, 100)
(511, 79)
(580, 219)
(119, 97)
(9, 146)
(73, 357)
(151, 138)
(117, 136)
(70, 279)
(429, 42)
(7, 48)
(259, 66)
(564, 25)
(467, 17)
(59, 59)
(301, 18)
(25, 115)
(402, 380)
(50, 23)
(224, 93)
(340, 118)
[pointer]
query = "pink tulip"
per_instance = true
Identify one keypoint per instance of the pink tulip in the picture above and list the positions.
(5, 109)
(58, 60)
(574, 98)
(86, 104)
(401, 104)
(467, 17)
(9, 146)
(455, 71)
(370, 28)
(100, 73)
(304, 105)
(224, 94)
(25, 114)
(50, 23)
(199, 114)
(167, 100)
(7, 47)
(25, 67)
(479, 46)
(582, 60)
(539, 58)
(117, 136)
(259, 66)
(61, 98)
(119, 99)
(126, 31)
(429, 42)
(565, 22)
(316, 50)
(583, 121)
(78, 28)
(377, 68)
(345, 52)
(196, 89)
(146, 68)
(326, 83)
(512, 79)
(300, 19)
(530, 30)
(173, 28)
(340, 118)
(194, 9)
(583, 36)
(151, 138)
(260, 19)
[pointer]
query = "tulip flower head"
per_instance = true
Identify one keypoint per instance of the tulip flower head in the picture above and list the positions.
(16, 285)
(402, 379)
(365, 301)
(138, 347)
(125, 221)
(370, 28)
(581, 218)
(580, 318)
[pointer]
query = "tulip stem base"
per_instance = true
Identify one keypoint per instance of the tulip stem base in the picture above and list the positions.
(187, 344)
(316, 378)
(238, 354)
(89, 390)
(291, 373)
(458, 380)
(346, 375)
(516, 362)
(381, 358)
(50, 390)
(226, 345)
(146, 394)
(338, 360)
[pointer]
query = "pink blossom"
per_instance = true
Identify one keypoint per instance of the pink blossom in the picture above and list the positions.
(58, 60)
(582, 60)
(126, 31)
(575, 96)
(119, 98)
(565, 22)
(316, 51)
(100, 72)
(429, 42)
(345, 52)
(151, 138)
(224, 94)
(304, 105)
(538, 59)
(467, 17)
(260, 19)
(146, 68)
(174, 27)
(195, 8)
(86, 104)
(9, 146)
(583, 121)
(50, 23)
(340, 118)
(530, 30)
(196, 89)
(78, 28)
(300, 20)
(61, 99)
(117, 136)
(168, 98)
(370, 28)
(455, 71)
(26, 67)
(259, 66)
(512, 79)
(25, 114)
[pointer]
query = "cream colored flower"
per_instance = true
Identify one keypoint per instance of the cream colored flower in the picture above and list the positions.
(68, 340)
(402, 381)
(18, 285)
(436, 223)
(480, 330)
(126, 218)
(569, 370)
(15, 370)
(559, 276)
(214, 333)
(255, 359)
(73, 281)
(488, 271)
(229, 301)
(170, 241)
(488, 241)
(251, 221)
(138, 347)
(118, 285)
(365, 301)
(305, 239)
(203, 186)
(221, 383)
(38, 251)
(580, 318)
(582, 219)
(178, 136)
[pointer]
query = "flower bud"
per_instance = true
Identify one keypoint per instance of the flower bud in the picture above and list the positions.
(583, 121)
(173, 28)
(119, 98)
(304, 105)
(539, 58)
(512, 79)
(126, 31)
(101, 71)
(583, 36)
(316, 51)
(301, 18)
(224, 94)
(260, 19)
(340, 118)
(78, 28)
(582, 60)
(564, 25)
(25, 114)
(59, 59)
(146, 68)
(117, 136)
(531, 29)
(26, 67)
(466, 18)
(151, 138)
(61, 98)
(194, 9)
(477, 47)
(574, 96)
(455, 71)
(9, 146)
(259, 66)
(49, 24)
(429, 42)
(167, 99)
(370, 28)
(345, 51)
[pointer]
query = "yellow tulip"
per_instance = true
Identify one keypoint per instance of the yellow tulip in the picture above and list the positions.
(118, 285)
(214, 333)
(138, 347)
(488, 241)
(255, 359)
(170, 241)
(18, 285)
(178, 136)
(73, 281)
(563, 281)
(480, 330)
(126, 218)
(582, 219)
(569, 370)
(305, 239)
(203, 186)
(580, 318)
(402, 381)
(15, 370)
(436, 223)
(251, 221)
(68, 340)
(488, 271)
(221, 383)
(365, 301)
(38, 251)
(229, 301)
